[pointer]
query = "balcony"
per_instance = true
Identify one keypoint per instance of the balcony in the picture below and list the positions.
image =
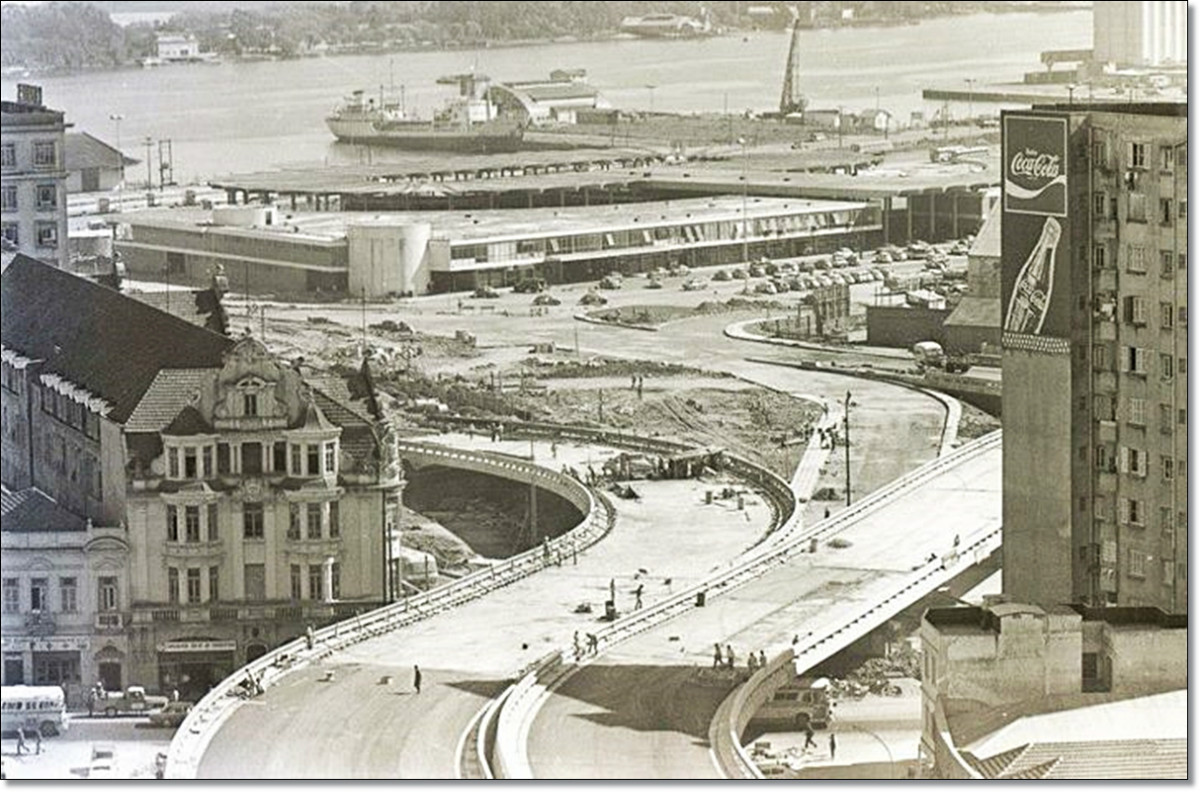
(39, 623)
(110, 621)
(208, 550)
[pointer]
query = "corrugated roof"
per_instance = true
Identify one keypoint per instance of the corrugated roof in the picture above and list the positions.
(97, 338)
(170, 392)
(1096, 760)
(81, 150)
(31, 510)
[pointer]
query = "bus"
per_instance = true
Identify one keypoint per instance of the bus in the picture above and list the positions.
(43, 708)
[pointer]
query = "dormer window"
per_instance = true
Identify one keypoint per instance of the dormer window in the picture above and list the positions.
(250, 405)
(251, 389)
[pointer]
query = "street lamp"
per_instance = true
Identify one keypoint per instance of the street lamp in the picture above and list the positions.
(745, 195)
(117, 118)
(1071, 94)
(880, 740)
(970, 81)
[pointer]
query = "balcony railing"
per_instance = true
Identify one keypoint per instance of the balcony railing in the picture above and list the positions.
(193, 549)
(110, 620)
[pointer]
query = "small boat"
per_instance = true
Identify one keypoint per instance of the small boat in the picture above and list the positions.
(467, 123)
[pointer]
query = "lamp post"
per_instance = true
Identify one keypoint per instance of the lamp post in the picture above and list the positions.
(970, 81)
(117, 118)
(1071, 94)
(745, 197)
(148, 143)
(880, 740)
(846, 423)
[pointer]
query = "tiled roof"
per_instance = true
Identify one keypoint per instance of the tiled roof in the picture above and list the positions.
(81, 150)
(30, 510)
(314, 419)
(358, 436)
(95, 337)
(170, 392)
(177, 302)
(1100, 759)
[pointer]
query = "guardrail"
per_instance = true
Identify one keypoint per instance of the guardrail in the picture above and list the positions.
(509, 758)
(747, 567)
(735, 712)
(193, 736)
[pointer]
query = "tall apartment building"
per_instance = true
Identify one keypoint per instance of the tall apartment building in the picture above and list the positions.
(33, 177)
(1094, 312)
(175, 502)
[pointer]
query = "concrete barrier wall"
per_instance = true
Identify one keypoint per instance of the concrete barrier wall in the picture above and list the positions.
(509, 757)
(739, 707)
(193, 736)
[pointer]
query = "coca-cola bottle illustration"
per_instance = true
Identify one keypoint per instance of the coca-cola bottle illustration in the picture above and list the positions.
(1035, 282)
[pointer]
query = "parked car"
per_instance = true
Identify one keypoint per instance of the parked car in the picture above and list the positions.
(960, 248)
(171, 715)
(721, 275)
(882, 257)
(134, 699)
(766, 287)
(486, 292)
(593, 298)
(738, 274)
(695, 284)
(546, 298)
(756, 271)
(530, 286)
(654, 283)
(822, 264)
(611, 282)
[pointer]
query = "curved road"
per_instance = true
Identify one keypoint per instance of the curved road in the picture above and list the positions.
(356, 727)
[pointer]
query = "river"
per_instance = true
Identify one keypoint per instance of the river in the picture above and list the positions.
(237, 117)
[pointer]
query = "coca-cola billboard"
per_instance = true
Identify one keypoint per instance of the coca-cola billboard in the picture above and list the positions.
(1035, 165)
(1035, 278)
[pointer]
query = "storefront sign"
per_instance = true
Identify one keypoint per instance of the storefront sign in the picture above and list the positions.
(197, 646)
(63, 644)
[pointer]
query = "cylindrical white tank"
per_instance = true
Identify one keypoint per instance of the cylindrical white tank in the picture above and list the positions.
(388, 256)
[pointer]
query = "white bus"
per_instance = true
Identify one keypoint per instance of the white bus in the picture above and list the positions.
(31, 707)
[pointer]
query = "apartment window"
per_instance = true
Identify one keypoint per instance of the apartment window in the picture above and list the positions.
(8, 155)
(1167, 264)
(172, 524)
(1133, 461)
(1166, 157)
(1168, 572)
(250, 404)
(1136, 207)
(1135, 360)
(1135, 260)
(335, 580)
(214, 532)
(252, 520)
(1137, 563)
(252, 459)
(1099, 202)
(1135, 310)
(191, 523)
(1168, 468)
(208, 461)
(11, 232)
(314, 521)
(173, 462)
(1137, 155)
(1104, 459)
(8, 197)
(1137, 411)
(68, 594)
(1182, 320)
(1166, 365)
(108, 594)
(335, 528)
(1099, 256)
(1165, 525)
(193, 585)
(223, 458)
(279, 458)
(1103, 408)
(47, 196)
(297, 459)
(314, 581)
(214, 584)
(39, 595)
(254, 579)
(1164, 418)
(1182, 208)
(12, 595)
(1183, 416)
(293, 531)
(45, 154)
(1131, 512)
(47, 234)
(314, 458)
(1182, 261)
(1100, 357)
(1167, 313)
(173, 585)
(189, 462)
(330, 458)
(297, 592)
(1165, 211)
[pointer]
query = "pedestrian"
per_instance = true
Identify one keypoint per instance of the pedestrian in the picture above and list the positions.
(752, 662)
(175, 694)
(91, 702)
(632, 381)
(762, 658)
(309, 637)
(20, 740)
(577, 645)
(729, 658)
(827, 512)
(593, 643)
(637, 605)
(716, 655)
(37, 736)
(809, 742)
(417, 678)
(554, 448)
(832, 746)
(956, 541)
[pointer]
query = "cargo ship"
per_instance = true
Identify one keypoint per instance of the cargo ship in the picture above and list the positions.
(667, 26)
(468, 123)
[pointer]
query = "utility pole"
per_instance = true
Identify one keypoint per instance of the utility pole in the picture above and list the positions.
(846, 421)
(745, 197)
(117, 118)
(149, 174)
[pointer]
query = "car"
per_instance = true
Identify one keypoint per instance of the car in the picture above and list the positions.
(611, 282)
(738, 274)
(171, 715)
(756, 271)
(882, 257)
(822, 264)
(805, 266)
(103, 763)
(694, 284)
(722, 275)
(530, 286)
(546, 299)
(486, 292)
(593, 298)
(654, 283)
(766, 287)
(959, 249)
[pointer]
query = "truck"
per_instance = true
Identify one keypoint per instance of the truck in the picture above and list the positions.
(929, 354)
(133, 700)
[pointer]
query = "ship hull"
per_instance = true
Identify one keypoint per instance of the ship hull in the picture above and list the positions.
(419, 137)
